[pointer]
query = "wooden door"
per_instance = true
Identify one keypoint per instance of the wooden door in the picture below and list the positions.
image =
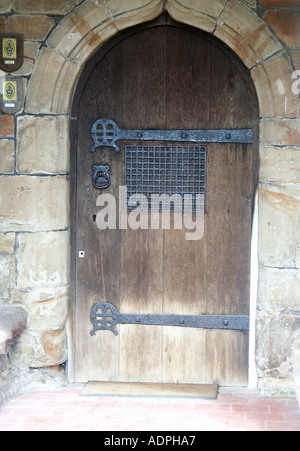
(164, 76)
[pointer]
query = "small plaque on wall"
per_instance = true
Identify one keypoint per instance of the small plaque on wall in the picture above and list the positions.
(12, 95)
(11, 52)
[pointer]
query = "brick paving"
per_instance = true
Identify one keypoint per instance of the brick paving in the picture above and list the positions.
(66, 410)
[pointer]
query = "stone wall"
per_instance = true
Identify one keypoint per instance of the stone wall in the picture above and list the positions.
(34, 159)
(278, 306)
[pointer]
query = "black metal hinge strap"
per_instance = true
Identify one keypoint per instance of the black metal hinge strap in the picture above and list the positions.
(105, 316)
(105, 132)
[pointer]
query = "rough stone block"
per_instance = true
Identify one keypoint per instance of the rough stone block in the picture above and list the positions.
(202, 14)
(96, 37)
(279, 164)
(7, 276)
(276, 386)
(42, 259)
(7, 243)
(126, 13)
(206, 7)
(33, 203)
(77, 27)
(43, 145)
(31, 50)
(44, 349)
(5, 6)
(274, 353)
(246, 33)
(38, 295)
(279, 131)
(296, 359)
(279, 231)
(51, 85)
(297, 385)
(295, 54)
(33, 28)
(44, 6)
(13, 321)
(43, 82)
(7, 156)
(251, 3)
(82, 31)
(278, 289)
(273, 81)
(7, 126)
(286, 24)
(51, 314)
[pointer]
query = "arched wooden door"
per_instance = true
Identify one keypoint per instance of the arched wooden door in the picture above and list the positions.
(163, 76)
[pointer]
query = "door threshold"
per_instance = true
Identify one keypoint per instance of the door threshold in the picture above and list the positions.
(145, 389)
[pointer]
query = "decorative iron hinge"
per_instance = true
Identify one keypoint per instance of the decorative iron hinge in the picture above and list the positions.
(105, 132)
(105, 316)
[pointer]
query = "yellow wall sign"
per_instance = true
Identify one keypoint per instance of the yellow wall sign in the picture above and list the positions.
(10, 91)
(11, 95)
(11, 52)
(9, 48)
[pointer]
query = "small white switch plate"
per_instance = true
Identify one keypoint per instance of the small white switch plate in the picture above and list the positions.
(81, 254)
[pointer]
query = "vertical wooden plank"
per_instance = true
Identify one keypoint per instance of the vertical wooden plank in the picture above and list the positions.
(228, 258)
(229, 219)
(97, 357)
(188, 104)
(229, 225)
(144, 80)
(184, 355)
(142, 250)
(140, 346)
(187, 80)
(228, 357)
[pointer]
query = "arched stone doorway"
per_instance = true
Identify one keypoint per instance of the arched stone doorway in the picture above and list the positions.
(239, 25)
(185, 80)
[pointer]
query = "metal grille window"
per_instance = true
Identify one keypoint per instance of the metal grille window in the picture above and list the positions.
(168, 172)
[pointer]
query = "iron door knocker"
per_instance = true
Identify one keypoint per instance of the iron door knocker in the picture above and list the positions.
(101, 177)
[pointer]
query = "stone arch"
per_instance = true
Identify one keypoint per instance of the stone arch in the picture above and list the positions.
(234, 22)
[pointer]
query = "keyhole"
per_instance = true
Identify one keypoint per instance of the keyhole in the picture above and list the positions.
(94, 218)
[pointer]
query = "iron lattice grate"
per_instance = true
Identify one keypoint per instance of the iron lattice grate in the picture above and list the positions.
(167, 172)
